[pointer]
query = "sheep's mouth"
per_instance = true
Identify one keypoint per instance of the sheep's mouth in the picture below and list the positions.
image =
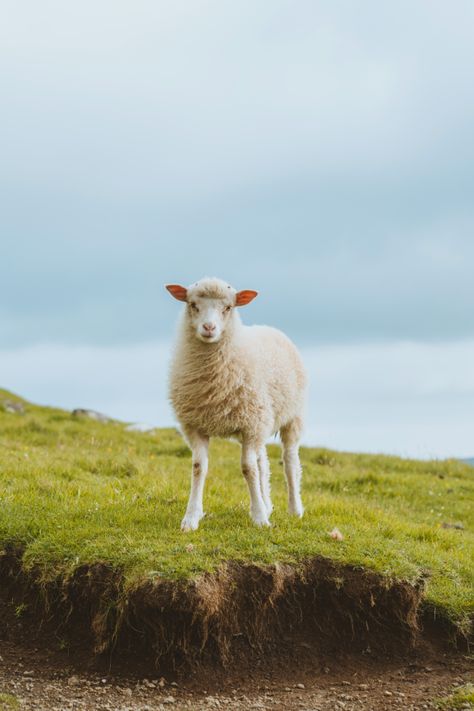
(208, 337)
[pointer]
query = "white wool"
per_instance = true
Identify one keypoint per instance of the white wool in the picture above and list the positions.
(232, 380)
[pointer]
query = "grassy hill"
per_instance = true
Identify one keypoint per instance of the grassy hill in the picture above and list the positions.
(74, 492)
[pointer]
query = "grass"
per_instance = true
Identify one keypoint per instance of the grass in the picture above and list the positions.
(8, 702)
(461, 698)
(75, 491)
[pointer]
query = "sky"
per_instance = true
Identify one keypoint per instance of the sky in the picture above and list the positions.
(319, 152)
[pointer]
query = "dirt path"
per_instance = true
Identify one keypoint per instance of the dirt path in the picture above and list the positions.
(38, 683)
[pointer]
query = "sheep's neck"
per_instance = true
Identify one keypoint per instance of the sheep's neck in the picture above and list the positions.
(210, 359)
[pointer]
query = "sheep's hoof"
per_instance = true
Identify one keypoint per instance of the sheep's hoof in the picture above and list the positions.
(191, 522)
(260, 519)
(296, 510)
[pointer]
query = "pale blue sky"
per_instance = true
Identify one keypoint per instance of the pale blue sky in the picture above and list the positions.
(320, 152)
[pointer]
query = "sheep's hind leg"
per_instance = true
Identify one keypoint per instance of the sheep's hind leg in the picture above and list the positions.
(264, 474)
(250, 470)
(290, 441)
(194, 512)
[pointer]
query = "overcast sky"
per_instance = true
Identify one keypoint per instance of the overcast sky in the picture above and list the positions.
(320, 152)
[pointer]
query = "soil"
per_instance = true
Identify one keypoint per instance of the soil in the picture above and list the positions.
(44, 681)
(318, 637)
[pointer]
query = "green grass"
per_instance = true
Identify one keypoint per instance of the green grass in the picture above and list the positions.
(461, 698)
(8, 702)
(77, 491)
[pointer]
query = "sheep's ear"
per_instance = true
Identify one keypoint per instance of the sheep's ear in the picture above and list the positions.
(179, 292)
(245, 297)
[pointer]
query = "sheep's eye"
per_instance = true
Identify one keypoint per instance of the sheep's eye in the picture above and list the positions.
(193, 306)
(227, 309)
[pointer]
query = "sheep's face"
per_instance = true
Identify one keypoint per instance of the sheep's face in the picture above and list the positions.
(209, 317)
(209, 306)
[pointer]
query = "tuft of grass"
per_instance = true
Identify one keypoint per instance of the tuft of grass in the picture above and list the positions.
(8, 702)
(76, 491)
(461, 698)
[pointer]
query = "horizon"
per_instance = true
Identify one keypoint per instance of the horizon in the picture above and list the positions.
(129, 384)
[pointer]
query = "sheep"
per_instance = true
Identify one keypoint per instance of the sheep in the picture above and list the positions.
(235, 381)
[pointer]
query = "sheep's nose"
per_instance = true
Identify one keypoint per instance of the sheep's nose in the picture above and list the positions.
(209, 327)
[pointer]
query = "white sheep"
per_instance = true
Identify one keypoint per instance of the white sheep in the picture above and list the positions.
(243, 382)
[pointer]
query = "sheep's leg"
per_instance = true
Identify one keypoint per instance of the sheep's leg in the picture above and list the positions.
(291, 460)
(194, 512)
(264, 473)
(251, 474)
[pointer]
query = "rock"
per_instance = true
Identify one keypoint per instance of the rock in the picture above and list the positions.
(73, 680)
(169, 700)
(91, 414)
(458, 525)
(336, 534)
(14, 407)
(140, 427)
(299, 686)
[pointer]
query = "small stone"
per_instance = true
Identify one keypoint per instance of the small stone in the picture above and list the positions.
(169, 700)
(140, 427)
(128, 692)
(336, 534)
(91, 414)
(300, 686)
(388, 693)
(73, 680)
(162, 682)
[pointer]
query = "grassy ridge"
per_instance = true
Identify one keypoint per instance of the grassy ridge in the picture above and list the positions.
(76, 491)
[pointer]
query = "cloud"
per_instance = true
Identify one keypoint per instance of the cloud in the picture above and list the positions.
(176, 101)
(322, 155)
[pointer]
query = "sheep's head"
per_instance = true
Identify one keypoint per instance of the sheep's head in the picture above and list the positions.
(210, 306)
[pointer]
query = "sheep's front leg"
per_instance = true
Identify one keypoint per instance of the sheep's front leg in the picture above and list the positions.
(194, 512)
(251, 474)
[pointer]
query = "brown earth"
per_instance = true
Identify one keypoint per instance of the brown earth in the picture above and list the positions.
(48, 681)
(318, 636)
(236, 615)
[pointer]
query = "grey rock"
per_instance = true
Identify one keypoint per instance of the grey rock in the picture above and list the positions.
(91, 414)
(140, 427)
(14, 407)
